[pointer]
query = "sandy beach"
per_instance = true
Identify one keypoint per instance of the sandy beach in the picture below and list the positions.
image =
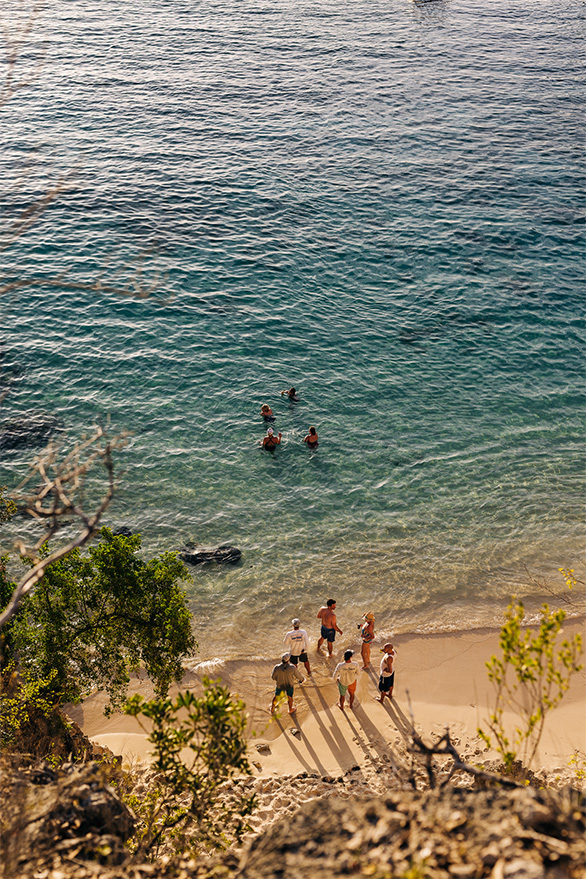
(440, 682)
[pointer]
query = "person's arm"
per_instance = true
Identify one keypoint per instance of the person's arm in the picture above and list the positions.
(339, 631)
(287, 640)
(320, 613)
(305, 642)
(298, 673)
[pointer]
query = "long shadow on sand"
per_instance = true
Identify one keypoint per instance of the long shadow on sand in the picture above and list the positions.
(291, 742)
(333, 737)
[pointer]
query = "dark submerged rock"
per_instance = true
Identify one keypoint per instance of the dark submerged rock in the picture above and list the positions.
(223, 555)
(28, 429)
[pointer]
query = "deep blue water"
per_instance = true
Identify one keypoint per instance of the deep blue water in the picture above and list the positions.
(379, 203)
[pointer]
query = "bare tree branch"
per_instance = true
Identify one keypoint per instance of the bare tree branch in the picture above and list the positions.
(14, 80)
(444, 748)
(60, 494)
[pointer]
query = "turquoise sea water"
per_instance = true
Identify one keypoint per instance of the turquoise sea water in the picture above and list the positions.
(379, 203)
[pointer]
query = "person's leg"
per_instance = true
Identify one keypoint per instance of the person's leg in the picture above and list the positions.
(307, 668)
(319, 643)
(290, 701)
(365, 656)
(330, 647)
(351, 694)
(274, 702)
(381, 698)
(341, 702)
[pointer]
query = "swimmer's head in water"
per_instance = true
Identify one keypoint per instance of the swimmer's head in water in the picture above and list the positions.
(270, 431)
(265, 408)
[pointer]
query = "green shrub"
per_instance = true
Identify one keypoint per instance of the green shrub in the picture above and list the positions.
(530, 679)
(198, 744)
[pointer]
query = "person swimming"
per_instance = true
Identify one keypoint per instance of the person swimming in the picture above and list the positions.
(267, 412)
(291, 393)
(312, 439)
(270, 441)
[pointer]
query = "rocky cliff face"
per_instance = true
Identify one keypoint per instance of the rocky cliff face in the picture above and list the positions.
(60, 824)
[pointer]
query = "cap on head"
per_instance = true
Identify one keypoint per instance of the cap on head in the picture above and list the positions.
(368, 616)
(296, 623)
(348, 655)
(270, 430)
(386, 647)
(285, 657)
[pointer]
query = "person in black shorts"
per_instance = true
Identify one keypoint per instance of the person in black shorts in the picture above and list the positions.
(329, 626)
(387, 674)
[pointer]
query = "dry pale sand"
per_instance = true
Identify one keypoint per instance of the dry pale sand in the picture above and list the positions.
(440, 681)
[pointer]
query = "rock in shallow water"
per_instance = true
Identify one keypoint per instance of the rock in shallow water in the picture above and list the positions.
(223, 555)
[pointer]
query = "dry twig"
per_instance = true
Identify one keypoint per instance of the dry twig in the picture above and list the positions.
(59, 495)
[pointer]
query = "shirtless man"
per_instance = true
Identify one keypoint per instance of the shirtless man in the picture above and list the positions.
(329, 627)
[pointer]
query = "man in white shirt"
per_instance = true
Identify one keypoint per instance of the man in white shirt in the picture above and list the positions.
(346, 674)
(298, 643)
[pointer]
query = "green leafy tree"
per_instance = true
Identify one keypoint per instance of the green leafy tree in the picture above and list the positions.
(530, 680)
(94, 619)
(198, 744)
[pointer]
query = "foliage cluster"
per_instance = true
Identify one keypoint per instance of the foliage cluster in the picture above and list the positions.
(198, 744)
(530, 679)
(92, 620)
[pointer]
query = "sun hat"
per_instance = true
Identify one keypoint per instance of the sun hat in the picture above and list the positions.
(368, 616)
(296, 622)
(285, 657)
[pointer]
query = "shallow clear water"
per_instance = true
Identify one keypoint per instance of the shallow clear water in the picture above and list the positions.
(379, 203)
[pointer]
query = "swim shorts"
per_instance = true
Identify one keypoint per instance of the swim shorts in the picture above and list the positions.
(342, 690)
(328, 634)
(295, 659)
(288, 690)
(385, 683)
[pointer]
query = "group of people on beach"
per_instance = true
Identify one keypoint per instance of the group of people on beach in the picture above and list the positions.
(286, 673)
(271, 441)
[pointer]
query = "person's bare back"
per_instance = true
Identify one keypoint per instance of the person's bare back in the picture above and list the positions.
(329, 626)
(327, 616)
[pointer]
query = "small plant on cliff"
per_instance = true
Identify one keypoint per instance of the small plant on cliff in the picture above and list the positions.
(530, 680)
(198, 745)
(92, 620)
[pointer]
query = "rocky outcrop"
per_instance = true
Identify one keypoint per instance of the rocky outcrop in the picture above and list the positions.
(463, 833)
(69, 824)
(223, 555)
(62, 816)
